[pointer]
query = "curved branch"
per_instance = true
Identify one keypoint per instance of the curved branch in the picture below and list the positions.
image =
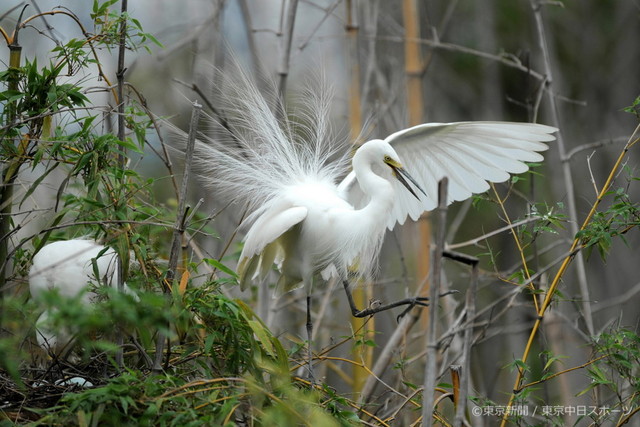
(503, 59)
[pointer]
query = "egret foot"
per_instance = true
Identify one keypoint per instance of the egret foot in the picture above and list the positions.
(412, 302)
(409, 302)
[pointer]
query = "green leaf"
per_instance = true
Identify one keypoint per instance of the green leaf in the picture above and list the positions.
(154, 40)
(100, 9)
(634, 108)
(129, 144)
(588, 389)
(220, 266)
(351, 417)
(263, 337)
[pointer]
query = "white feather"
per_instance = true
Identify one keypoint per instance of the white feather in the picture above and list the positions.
(288, 173)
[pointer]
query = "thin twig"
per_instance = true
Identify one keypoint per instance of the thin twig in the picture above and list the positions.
(165, 154)
(593, 180)
(523, 258)
(384, 358)
(436, 44)
(587, 363)
(500, 230)
(592, 146)
(46, 24)
(626, 297)
(327, 13)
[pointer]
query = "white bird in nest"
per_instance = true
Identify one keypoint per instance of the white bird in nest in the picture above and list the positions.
(316, 218)
(69, 266)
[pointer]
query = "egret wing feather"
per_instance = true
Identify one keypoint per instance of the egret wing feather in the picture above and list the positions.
(470, 154)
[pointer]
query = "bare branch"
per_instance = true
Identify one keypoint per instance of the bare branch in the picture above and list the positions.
(285, 47)
(431, 370)
(180, 224)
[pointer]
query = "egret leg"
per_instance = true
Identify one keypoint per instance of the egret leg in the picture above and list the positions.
(309, 335)
(409, 302)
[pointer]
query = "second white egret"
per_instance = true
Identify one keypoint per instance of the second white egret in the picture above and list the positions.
(70, 266)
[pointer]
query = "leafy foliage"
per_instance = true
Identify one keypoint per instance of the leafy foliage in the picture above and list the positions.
(620, 217)
(634, 108)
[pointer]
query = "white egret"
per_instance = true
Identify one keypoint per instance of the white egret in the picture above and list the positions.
(69, 266)
(313, 217)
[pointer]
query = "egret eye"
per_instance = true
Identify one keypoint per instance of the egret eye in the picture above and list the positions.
(387, 159)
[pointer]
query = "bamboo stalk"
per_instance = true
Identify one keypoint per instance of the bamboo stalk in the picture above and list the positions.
(122, 261)
(285, 47)
(566, 166)
(9, 172)
(413, 63)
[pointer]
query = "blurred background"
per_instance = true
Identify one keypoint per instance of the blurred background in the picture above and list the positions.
(393, 64)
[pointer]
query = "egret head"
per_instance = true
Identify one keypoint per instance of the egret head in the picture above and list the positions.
(400, 173)
(380, 156)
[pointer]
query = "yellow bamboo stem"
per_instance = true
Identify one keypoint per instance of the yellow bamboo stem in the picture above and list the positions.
(413, 65)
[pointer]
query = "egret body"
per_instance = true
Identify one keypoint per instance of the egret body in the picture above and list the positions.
(314, 216)
(314, 230)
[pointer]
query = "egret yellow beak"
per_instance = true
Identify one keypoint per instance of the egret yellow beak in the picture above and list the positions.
(400, 173)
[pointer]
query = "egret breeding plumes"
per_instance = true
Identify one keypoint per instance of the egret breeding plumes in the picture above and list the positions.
(318, 214)
(70, 266)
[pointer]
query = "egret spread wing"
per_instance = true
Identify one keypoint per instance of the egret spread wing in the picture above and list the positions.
(262, 244)
(470, 154)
